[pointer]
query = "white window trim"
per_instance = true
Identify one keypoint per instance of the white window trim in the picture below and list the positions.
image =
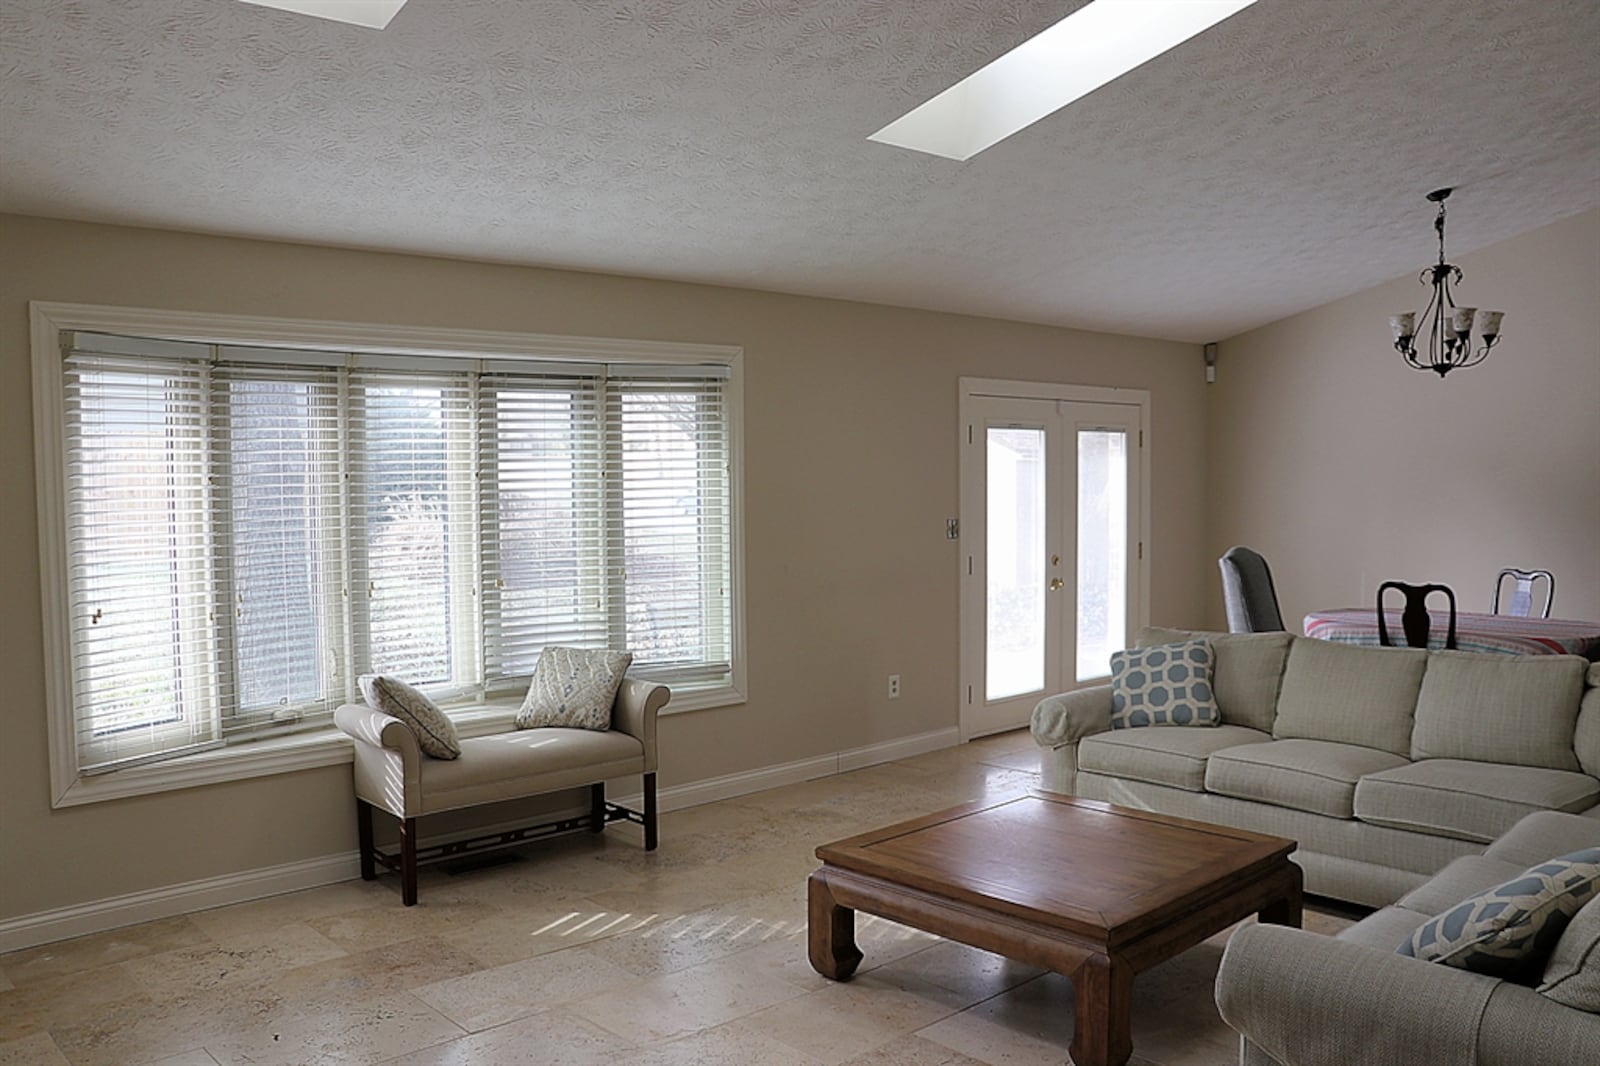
(327, 747)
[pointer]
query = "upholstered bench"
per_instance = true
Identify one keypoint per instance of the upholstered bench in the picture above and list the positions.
(392, 773)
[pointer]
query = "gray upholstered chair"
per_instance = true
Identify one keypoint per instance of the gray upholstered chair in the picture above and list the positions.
(1247, 591)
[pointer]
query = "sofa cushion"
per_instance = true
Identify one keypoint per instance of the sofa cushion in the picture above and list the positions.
(1463, 877)
(1161, 755)
(1350, 695)
(1515, 709)
(1468, 800)
(1500, 930)
(1245, 673)
(1586, 737)
(1387, 928)
(1545, 833)
(1306, 775)
(436, 734)
(1572, 976)
(1169, 684)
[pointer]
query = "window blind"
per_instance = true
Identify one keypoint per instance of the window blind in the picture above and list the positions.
(250, 530)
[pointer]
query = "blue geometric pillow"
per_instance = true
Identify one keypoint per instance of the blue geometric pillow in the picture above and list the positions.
(1505, 930)
(1169, 684)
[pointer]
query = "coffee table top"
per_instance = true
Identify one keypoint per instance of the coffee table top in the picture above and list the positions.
(1086, 867)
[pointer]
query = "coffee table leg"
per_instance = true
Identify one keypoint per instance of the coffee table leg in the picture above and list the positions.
(1102, 1029)
(830, 931)
(1286, 909)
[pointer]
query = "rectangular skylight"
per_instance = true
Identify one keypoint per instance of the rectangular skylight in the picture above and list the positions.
(374, 14)
(1096, 44)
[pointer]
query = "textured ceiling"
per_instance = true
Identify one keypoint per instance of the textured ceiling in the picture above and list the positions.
(1269, 165)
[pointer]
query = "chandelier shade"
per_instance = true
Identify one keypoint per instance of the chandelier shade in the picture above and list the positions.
(1448, 329)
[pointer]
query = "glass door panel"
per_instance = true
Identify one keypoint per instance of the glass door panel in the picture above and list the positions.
(1015, 597)
(1102, 549)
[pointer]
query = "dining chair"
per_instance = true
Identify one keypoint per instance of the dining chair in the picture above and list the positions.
(1414, 618)
(1521, 603)
(1247, 592)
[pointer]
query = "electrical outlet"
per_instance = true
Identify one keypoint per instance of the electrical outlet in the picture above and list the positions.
(894, 686)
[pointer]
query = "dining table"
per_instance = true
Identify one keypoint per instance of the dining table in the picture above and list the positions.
(1505, 633)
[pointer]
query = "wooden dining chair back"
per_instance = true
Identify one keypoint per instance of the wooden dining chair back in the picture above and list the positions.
(1521, 603)
(1414, 618)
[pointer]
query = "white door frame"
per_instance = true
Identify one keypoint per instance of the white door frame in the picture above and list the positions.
(970, 682)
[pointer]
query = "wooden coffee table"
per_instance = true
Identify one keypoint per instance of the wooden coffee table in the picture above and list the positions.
(1092, 891)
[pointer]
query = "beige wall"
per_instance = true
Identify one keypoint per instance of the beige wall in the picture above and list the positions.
(1346, 469)
(851, 471)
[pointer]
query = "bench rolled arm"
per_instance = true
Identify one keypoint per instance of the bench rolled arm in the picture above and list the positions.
(634, 713)
(388, 759)
(1071, 716)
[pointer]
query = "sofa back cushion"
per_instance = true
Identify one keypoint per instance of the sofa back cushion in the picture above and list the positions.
(1586, 738)
(1350, 695)
(1519, 710)
(1245, 672)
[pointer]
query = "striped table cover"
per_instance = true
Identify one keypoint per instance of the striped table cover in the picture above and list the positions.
(1474, 632)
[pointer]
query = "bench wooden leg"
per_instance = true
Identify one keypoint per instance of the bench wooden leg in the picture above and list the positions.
(651, 836)
(597, 808)
(408, 861)
(369, 867)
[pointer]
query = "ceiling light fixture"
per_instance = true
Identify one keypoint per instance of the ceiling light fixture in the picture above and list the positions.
(1096, 44)
(373, 14)
(1449, 327)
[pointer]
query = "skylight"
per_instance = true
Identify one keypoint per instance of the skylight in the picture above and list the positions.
(374, 14)
(1094, 45)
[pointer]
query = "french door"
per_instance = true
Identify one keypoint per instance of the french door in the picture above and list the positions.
(1052, 543)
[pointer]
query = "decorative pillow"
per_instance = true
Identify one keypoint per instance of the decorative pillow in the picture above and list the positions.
(573, 687)
(1502, 931)
(1169, 684)
(436, 734)
(1572, 976)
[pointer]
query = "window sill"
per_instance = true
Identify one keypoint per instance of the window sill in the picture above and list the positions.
(310, 751)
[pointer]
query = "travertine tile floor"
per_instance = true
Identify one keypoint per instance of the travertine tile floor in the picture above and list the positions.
(590, 950)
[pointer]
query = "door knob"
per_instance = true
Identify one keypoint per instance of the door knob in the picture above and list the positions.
(1056, 583)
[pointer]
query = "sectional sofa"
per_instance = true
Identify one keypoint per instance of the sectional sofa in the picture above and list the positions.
(1384, 763)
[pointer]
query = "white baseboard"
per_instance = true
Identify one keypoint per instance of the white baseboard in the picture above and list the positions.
(100, 915)
(43, 927)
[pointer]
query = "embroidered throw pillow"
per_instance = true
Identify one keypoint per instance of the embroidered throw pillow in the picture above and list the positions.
(1169, 684)
(1572, 976)
(573, 687)
(1504, 930)
(436, 734)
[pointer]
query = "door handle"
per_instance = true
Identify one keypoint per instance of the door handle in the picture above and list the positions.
(1056, 583)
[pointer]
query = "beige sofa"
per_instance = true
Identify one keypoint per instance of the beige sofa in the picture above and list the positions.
(1384, 763)
(1299, 999)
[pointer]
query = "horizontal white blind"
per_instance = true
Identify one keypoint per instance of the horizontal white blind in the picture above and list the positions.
(144, 648)
(543, 549)
(249, 531)
(667, 519)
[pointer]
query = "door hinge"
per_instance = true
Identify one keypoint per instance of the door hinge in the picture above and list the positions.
(969, 694)
(1141, 549)
(1141, 438)
(952, 528)
(969, 433)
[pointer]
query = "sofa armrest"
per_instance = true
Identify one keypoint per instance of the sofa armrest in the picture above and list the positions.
(388, 759)
(1071, 716)
(1311, 1000)
(638, 702)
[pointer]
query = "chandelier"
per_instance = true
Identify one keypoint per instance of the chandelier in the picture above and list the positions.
(1448, 327)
